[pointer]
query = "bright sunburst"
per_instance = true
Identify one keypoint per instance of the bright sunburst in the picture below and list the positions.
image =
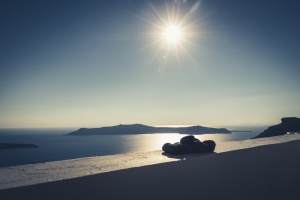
(173, 29)
(172, 34)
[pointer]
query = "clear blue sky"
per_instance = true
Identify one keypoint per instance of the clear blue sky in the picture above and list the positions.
(98, 63)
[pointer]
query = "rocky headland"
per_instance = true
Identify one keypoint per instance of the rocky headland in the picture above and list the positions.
(288, 125)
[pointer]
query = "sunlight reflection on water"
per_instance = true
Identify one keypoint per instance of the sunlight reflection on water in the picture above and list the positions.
(149, 142)
(53, 145)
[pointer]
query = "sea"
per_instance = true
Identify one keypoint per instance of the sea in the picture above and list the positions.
(55, 145)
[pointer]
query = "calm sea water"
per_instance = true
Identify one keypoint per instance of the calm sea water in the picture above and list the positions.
(54, 145)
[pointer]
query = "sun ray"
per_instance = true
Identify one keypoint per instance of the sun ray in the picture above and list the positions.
(175, 31)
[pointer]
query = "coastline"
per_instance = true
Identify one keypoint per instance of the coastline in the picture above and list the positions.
(263, 168)
(31, 174)
(56, 147)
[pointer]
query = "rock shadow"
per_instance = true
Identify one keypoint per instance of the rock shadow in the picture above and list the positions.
(187, 156)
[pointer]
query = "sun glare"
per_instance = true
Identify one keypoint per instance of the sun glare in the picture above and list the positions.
(172, 34)
(174, 30)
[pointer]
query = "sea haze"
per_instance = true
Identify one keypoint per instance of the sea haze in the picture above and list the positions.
(54, 146)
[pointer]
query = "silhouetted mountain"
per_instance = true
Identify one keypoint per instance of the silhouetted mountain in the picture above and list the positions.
(143, 129)
(289, 124)
(13, 146)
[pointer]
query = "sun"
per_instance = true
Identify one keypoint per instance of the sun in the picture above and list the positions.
(172, 34)
(174, 30)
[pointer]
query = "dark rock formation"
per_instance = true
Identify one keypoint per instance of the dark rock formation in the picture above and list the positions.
(176, 148)
(289, 124)
(142, 129)
(211, 145)
(188, 139)
(14, 146)
(189, 145)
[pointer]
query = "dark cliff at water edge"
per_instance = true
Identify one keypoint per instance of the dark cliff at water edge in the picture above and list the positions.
(143, 129)
(287, 125)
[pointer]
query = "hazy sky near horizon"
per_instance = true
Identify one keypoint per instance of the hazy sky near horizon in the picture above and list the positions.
(97, 63)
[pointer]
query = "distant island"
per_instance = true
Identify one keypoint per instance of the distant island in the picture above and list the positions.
(288, 125)
(14, 146)
(143, 129)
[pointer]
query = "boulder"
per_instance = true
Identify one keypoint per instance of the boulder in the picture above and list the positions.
(176, 148)
(189, 145)
(188, 139)
(211, 145)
